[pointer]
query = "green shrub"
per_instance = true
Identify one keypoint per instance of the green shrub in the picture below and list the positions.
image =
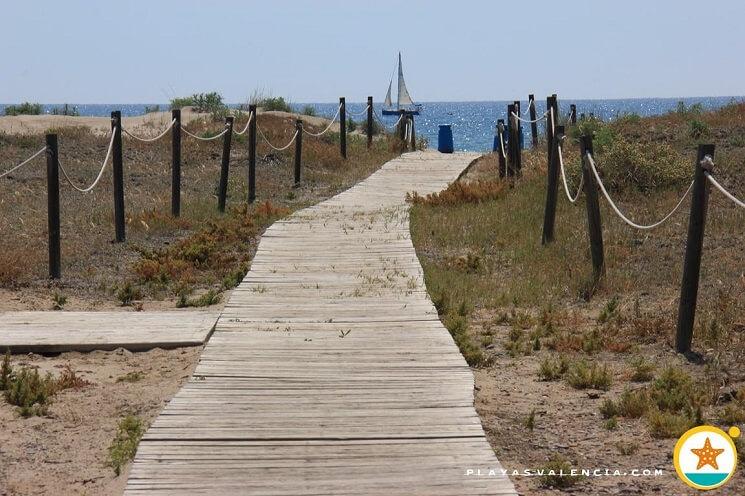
(351, 125)
(274, 103)
(663, 425)
(642, 166)
(127, 294)
(149, 109)
(25, 108)
(553, 369)
(376, 128)
(209, 298)
(699, 129)
(6, 372)
(643, 370)
(309, 110)
(633, 403)
(582, 375)
(178, 103)
(609, 409)
(557, 473)
(124, 446)
(603, 136)
(30, 392)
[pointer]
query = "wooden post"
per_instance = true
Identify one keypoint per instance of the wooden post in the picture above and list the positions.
(118, 168)
(55, 260)
(573, 116)
(549, 216)
(518, 148)
(534, 124)
(369, 121)
(593, 212)
(501, 151)
(252, 154)
(225, 164)
(343, 127)
(549, 129)
(413, 133)
(694, 249)
(511, 155)
(298, 149)
(176, 163)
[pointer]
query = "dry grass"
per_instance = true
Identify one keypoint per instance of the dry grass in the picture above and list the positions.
(163, 256)
(532, 307)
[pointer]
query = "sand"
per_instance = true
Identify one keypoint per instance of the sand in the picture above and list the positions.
(148, 125)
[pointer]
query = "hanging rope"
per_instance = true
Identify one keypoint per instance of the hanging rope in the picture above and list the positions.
(572, 199)
(619, 213)
(333, 120)
(358, 113)
(227, 128)
(726, 193)
(501, 145)
(250, 118)
(149, 140)
(100, 174)
(528, 120)
(569, 117)
(261, 133)
(380, 121)
(531, 103)
(23, 163)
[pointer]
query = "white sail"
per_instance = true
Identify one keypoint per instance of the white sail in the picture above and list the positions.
(403, 94)
(388, 102)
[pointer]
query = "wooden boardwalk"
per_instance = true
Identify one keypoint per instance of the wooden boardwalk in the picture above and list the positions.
(329, 371)
(55, 332)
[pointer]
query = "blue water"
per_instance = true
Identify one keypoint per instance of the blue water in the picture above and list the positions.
(473, 122)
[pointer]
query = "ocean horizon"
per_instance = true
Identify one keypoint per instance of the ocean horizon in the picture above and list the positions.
(473, 122)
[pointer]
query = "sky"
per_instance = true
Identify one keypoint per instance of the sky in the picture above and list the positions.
(136, 51)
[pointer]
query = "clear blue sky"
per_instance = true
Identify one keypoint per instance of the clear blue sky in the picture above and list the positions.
(141, 51)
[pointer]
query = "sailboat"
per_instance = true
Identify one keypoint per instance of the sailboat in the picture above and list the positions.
(404, 103)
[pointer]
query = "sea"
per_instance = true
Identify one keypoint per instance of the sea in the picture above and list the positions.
(472, 123)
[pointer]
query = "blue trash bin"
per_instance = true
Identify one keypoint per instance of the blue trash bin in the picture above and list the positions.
(445, 139)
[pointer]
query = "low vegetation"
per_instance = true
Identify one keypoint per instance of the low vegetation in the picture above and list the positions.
(534, 312)
(25, 108)
(32, 392)
(124, 446)
(189, 260)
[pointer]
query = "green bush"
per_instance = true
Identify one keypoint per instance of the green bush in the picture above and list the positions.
(124, 446)
(30, 392)
(642, 166)
(274, 103)
(699, 129)
(351, 125)
(25, 108)
(149, 109)
(309, 110)
(181, 102)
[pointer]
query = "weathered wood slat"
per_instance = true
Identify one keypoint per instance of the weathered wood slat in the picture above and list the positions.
(56, 332)
(329, 372)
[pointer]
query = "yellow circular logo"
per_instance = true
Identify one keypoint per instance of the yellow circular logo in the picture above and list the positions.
(705, 457)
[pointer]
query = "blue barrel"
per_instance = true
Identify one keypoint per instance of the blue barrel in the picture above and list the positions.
(445, 139)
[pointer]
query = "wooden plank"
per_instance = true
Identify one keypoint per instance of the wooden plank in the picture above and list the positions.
(57, 332)
(329, 372)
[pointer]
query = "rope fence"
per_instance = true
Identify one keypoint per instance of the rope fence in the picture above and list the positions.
(15, 168)
(726, 193)
(114, 154)
(618, 212)
(591, 181)
(150, 140)
(572, 199)
(100, 174)
(331, 124)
